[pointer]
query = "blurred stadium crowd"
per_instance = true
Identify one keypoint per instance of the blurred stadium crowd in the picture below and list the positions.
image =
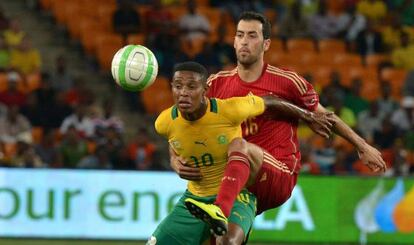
(359, 55)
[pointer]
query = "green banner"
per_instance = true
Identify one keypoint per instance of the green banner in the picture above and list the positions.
(342, 209)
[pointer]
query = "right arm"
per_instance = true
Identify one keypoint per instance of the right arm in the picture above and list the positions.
(179, 165)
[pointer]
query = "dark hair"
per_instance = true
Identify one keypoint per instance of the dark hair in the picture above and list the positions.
(192, 66)
(249, 15)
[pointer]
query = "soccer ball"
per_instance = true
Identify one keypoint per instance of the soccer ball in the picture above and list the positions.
(134, 67)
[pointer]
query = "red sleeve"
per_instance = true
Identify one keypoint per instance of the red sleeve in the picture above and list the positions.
(211, 91)
(303, 94)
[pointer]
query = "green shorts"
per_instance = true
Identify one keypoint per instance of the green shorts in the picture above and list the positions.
(180, 227)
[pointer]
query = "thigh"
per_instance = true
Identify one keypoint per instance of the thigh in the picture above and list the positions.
(180, 227)
(273, 185)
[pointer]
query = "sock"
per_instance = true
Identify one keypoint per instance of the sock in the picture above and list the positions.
(234, 179)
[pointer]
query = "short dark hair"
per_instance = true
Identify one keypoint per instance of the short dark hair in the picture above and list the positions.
(249, 15)
(192, 66)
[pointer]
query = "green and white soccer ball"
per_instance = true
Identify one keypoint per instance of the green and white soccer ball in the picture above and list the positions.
(134, 67)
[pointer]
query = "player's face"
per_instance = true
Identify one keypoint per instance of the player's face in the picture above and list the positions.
(188, 91)
(249, 42)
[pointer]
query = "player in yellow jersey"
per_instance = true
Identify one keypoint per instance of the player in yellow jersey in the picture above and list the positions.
(199, 129)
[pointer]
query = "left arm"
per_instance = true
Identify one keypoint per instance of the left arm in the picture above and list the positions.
(368, 154)
(320, 122)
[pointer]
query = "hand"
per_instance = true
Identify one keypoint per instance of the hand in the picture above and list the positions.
(321, 123)
(179, 165)
(372, 158)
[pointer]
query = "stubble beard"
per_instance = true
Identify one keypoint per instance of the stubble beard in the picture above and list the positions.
(246, 61)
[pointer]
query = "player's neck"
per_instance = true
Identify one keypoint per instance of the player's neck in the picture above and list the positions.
(197, 114)
(250, 73)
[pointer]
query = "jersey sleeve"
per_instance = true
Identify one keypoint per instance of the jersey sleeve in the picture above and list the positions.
(303, 94)
(211, 81)
(162, 123)
(238, 109)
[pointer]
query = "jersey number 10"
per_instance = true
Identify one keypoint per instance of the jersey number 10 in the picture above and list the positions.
(206, 160)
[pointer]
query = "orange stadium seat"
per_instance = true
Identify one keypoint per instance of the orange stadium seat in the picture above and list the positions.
(321, 74)
(46, 4)
(3, 82)
(136, 39)
(373, 60)
(370, 89)
(178, 11)
(300, 45)
(342, 60)
(331, 46)
(76, 25)
(33, 81)
(336, 7)
(105, 13)
(156, 98)
(106, 47)
(89, 34)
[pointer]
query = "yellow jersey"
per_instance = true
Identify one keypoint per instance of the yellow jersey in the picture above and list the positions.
(204, 142)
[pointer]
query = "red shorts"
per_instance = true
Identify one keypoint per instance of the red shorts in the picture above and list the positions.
(274, 184)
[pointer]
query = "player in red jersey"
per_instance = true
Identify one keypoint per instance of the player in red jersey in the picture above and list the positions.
(272, 143)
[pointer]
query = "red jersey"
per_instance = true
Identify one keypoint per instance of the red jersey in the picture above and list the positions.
(276, 135)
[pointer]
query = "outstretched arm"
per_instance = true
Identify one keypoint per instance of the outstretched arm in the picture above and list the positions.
(368, 154)
(321, 122)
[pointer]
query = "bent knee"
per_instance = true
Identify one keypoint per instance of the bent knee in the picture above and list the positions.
(239, 145)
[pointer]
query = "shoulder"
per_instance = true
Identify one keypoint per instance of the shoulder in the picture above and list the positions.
(165, 118)
(290, 78)
(220, 76)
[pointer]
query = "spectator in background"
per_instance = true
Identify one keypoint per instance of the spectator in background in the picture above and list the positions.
(408, 87)
(223, 50)
(325, 156)
(403, 57)
(56, 112)
(96, 160)
(374, 10)
(333, 89)
(323, 25)
(370, 121)
(108, 119)
(141, 151)
(72, 149)
(126, 19)
(4, 55)
(114, 145)
(294, 24)
(80, 121)
(45, 94)
(25, 155)
(12, 96)
(369, 41)
(392, 29)
(25, 59)
(157, 18)
(208, 58)
(62, 80)
(350, 24)
(14, 34)
(33, 111)
(386, 136)
(14, 125)
(403, 118)
(193, 25)
(406, 10)
(47, 150)
(4, 21)
(344, 113)
(386, 103)
(353, 99)
(79, 94)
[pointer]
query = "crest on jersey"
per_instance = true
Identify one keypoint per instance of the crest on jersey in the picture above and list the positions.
(175, 144)
(222, 139)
